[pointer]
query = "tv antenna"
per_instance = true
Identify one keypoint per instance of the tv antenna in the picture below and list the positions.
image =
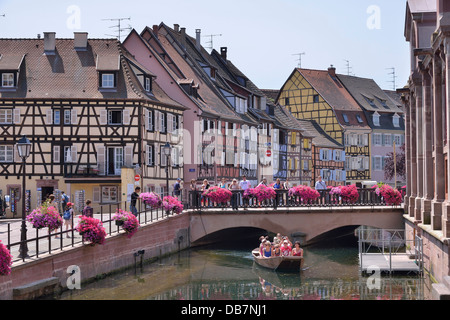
(347, 65)
(118, 26)
(393, 77)
(299, 58)
(211, 37)
(3, 15)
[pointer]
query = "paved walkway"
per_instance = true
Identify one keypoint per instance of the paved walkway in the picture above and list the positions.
(37, 249)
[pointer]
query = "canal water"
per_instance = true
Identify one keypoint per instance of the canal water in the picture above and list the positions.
(227, 271)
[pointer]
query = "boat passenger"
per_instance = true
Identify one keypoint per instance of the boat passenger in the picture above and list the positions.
(276, 250)
(261, 245)
(286, 249)
(267, 251)
(297, 251)
(277, 239)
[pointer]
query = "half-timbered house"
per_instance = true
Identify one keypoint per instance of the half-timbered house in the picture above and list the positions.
(320, 96)
(82, 104)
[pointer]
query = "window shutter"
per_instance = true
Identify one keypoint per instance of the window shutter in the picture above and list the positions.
(320, 154)
(49, 116)
(126, 116)
(74, 116)
(103, 117)
(128, 156)
(147, 118)
(56, 154)
(156, 154)
(366, 163)
(16, 116)
(169, 123)
(73, 153)
(101, 160)
(96, 194)
(343, 156)
(330, 155)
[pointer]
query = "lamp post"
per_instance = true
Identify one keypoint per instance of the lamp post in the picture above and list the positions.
(167, 151)
(23, 148)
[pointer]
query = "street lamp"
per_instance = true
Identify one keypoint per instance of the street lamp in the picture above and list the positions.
(167, 149)
(23, 148)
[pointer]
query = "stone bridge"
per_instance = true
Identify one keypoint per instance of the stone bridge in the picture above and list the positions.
(300, 223)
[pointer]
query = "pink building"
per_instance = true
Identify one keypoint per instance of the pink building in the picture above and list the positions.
(427, 99)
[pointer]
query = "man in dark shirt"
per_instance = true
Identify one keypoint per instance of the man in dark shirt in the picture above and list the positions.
(134, 197)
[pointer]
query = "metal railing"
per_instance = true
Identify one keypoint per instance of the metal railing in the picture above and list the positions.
(367, 197)
(40, 241)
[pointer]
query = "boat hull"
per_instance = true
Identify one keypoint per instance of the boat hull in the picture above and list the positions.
(290, 263)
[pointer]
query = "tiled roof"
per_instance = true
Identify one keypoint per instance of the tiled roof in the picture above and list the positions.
(70, 73)
(320, 137)
(368, 94)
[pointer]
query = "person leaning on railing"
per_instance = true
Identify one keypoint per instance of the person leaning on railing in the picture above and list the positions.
(234, 197)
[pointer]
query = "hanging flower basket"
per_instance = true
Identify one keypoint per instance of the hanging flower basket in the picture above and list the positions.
(127, 221)
(390, 195)
(217, 194)
(263, 192)
(349, 193)
(5, 260)
(305, 193)
(91, 230)
(45, 217)
(170, 203)
(151, 199)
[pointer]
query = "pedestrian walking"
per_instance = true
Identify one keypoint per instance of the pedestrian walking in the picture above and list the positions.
(68, 217)
(177, 189)
(134, 197)
(88, 211)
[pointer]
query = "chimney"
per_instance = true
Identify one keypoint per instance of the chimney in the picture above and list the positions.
(332, 71)
(80, 41)
(155, 30)
(176, 27)
(49, 42)
(223, 52)
(183, 38)
(197, 38)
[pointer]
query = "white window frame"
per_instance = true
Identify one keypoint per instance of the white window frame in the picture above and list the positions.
(6, 116)
(148, 86)
(8, 80)
(376, 119)
(110, 117)
(377, 163)
(377, 139)
(67, 116)
(6, 153)
(107, 194)
(108, 80)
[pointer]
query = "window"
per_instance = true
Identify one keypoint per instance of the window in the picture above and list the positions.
(162, 119)
(315, 98)
(150, 155)
(377, 163)
(371, 103)
(109, 194)
(6, 153)
(376, 119)
(286, 101)
(7, 80)
(377, 139)
(108, 80)
(387, 139)
(383, 103)
(67, 154)
(114, 117)
(6, 116)
(67, 116)
(358, 117)
(57, 117)
(345, 118)
(396, 120)
(148, 84)
(398, 139)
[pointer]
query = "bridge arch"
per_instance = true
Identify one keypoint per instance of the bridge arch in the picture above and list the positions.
(309, 223)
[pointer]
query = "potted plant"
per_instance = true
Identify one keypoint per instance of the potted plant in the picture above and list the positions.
(5, 260)
(151, 199)
(305, 193)
(263, 192)
(217, 194)
(170, 203)
(127, 221)
(349, 193)
(45, 217)
(91, 230)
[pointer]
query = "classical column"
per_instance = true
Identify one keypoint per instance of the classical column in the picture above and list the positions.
(439, 170)
(446, 213)
(413, 148)
(427, 151)
(406, 99)
(419, 152)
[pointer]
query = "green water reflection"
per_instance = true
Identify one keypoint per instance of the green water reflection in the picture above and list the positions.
(209, 273)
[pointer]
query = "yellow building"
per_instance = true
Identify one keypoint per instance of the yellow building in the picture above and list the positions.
(320, 96)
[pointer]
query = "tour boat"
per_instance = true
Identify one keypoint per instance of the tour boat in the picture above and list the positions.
(281, 263)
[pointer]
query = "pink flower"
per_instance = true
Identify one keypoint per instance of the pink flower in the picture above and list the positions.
(217, 194)
(45, 217)
(5, 260)
(130, 222)
(91, 230)
(305, 193)
(390, 195)
(151, 199)
(170, 203)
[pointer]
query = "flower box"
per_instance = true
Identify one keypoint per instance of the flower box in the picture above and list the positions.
(127, 221)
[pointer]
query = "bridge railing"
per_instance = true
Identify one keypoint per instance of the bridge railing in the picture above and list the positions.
(367, 197)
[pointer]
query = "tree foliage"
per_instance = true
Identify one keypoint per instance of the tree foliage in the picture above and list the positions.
(401, 164)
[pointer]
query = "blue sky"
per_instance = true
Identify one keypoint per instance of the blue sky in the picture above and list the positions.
(262, 36)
